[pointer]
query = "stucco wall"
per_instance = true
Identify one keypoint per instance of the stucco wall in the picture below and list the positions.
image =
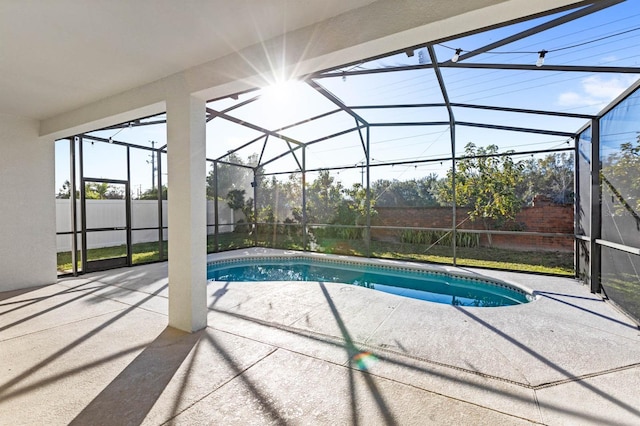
(27, 209)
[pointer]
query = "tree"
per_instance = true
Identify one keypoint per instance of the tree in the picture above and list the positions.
(324, 196)
(95, 191)
(352, 210)
(114, 193)
(92, 191)
(290, 195)
(102, 191)
(486, 183)
(413, 192)
(229, 177)
(620, 181)
(152, 194)
(65, 191)
(551, 176)
(235, 200)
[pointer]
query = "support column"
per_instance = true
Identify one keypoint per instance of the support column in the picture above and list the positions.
(254, 185)
(596, 208)
(452, 133)
(186, 148)
(304, 198)
(367, 230)
(216, 214)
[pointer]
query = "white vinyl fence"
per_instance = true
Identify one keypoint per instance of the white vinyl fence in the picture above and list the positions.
(112, 213)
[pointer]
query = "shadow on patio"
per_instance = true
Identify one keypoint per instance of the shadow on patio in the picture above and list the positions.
(98, 349)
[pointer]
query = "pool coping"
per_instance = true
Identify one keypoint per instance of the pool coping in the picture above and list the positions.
(256, 254)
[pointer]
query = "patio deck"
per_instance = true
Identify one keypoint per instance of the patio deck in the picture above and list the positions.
(97, 350)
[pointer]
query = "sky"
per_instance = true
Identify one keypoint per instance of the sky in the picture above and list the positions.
(608, 37)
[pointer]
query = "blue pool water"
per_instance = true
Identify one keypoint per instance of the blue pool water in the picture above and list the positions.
(433, 287)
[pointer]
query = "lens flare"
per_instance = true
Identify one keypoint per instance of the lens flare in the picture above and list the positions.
(364, 360)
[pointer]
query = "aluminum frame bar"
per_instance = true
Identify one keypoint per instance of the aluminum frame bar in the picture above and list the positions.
(229, 163)
(431, 160)
(595, 195)
(516, 129)
(295, 157)
(264, 146)
(533, 67)
(284, 154)
(411, 123)
(476, 106)
(524, 111)
(308, 120)
(452, 130)
(233, 151)
(333, 98)
(595, 7)
(253, 126)
(335, 135)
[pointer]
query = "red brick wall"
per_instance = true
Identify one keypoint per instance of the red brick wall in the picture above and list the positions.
(543, 217)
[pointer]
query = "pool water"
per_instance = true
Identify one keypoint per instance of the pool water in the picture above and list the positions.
(429, 286)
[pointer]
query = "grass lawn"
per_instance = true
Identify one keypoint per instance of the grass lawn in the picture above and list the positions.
(526, 261)
(555, 263)
(141, 253)
(622, 287)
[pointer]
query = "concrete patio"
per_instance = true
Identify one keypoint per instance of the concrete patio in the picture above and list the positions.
(97, 350)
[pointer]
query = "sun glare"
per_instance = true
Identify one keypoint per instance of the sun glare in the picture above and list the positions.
(282, 102)
(283, 92)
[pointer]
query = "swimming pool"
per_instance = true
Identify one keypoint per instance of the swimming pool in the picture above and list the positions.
(414, 283)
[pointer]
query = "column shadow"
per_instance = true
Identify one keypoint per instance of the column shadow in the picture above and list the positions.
(452, 378)
(83, 294)
(18, 292)
(353, 353)
(218, 294)
(5, 387)
(550, 295)
(629, 408)
(270, 410)
(128, 399)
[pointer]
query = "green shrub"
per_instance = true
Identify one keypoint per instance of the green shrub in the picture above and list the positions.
(427, 237)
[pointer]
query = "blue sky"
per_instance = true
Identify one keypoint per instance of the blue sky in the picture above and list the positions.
(555, 91)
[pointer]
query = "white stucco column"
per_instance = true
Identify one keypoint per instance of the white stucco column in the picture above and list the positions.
(187, 211)
(27, 205)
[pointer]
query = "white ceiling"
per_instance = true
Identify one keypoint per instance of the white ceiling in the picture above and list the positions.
(58, 58)
(58, 55)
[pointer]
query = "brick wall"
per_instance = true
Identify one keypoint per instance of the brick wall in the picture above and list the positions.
(542, 217)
